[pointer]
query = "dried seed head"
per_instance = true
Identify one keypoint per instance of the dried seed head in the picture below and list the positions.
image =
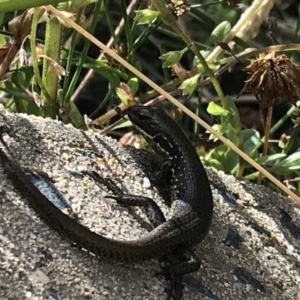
(177, 7)
(119, 50)
(273, 80)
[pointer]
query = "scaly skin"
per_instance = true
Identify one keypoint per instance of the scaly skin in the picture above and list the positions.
(192, 204)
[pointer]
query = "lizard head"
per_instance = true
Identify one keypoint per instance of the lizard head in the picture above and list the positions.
(147, 118)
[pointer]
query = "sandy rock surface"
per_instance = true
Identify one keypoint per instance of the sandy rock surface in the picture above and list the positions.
(252, 250)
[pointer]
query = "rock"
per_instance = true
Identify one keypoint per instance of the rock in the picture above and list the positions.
(252, 250)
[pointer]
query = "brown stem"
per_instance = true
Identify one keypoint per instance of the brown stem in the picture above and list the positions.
(267, 135)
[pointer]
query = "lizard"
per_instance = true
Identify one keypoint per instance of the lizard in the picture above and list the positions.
(191, 197)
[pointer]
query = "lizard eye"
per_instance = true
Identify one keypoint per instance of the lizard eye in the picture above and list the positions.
(144, 118)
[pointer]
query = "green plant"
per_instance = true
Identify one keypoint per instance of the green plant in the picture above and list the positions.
(48, 96)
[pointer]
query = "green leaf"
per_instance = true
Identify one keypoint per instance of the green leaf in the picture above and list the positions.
(252, 176)
(232, 124)
(105, 71)
(112, 74)
(288, 165)
(263, 160)
(198, 65)
(122, 96)
(220, 32)
(125, 93)
(292, 160)
(216, 110)
(201, 69)
(74, 5)
(231, 127)
(254, 154)
(2, 40)
(283, 170)
(124, 125)
(250, 137)
(138, 65)
(76, 117)
(146, 16)
(213, 163)
(111, 77)
(133, 83)
(171, 58)
(204, 53)
(227, 158)
(189, 85)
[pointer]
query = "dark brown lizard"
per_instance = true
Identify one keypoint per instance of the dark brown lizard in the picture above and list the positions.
(192, 204)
